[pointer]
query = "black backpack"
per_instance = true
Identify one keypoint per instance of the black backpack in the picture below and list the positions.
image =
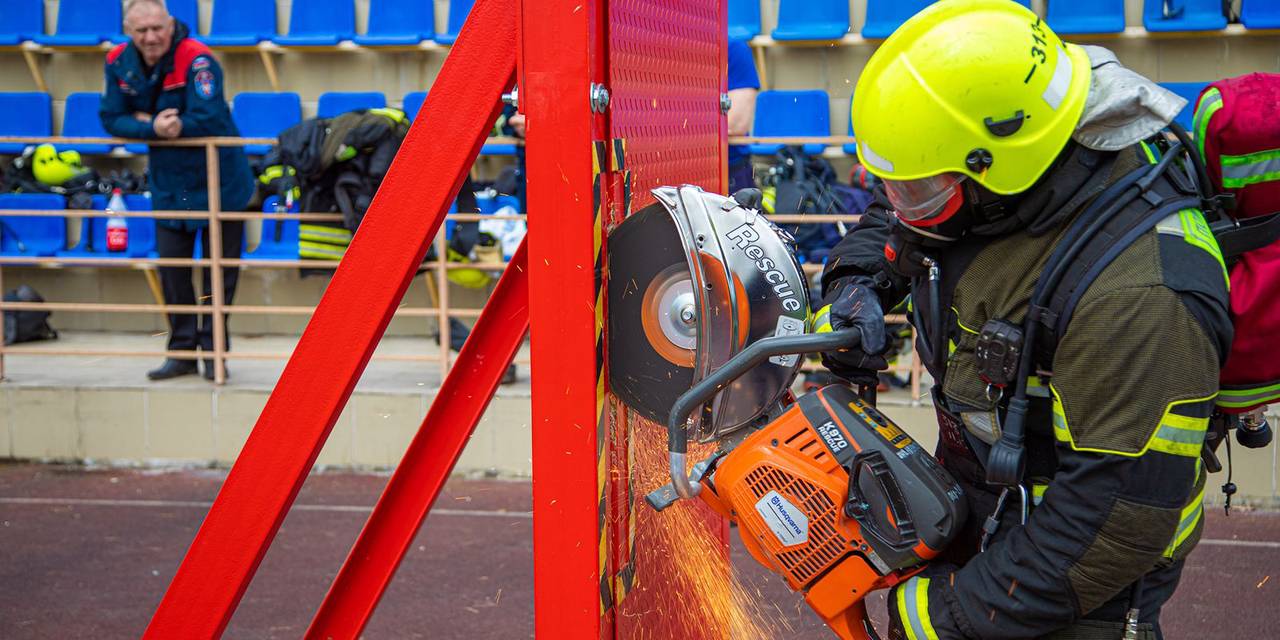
(805, 184)
(26, 326)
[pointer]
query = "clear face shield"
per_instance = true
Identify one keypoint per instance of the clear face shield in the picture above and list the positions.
(926, 202)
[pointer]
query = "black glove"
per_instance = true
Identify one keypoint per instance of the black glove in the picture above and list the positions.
(852, 304)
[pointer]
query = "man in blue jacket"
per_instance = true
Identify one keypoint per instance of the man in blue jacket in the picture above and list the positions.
(164, 85)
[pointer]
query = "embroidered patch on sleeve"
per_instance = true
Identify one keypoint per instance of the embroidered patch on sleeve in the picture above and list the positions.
(199, 63)
(205, 84)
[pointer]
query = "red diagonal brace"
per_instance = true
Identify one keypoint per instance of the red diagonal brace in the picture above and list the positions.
(427, 463)
(348, 323)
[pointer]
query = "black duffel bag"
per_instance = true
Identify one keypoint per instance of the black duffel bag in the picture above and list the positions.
(26, 326)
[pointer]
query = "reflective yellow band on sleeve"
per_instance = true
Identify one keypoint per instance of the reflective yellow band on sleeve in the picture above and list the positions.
(1192, 514)
(822, 321)
(913, 609)
(1180, 435)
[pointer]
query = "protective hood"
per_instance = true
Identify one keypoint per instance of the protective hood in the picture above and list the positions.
(1123, 107)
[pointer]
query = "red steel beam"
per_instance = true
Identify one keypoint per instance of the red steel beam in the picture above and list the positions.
(426, 465)
(393, 238)
(562, 54)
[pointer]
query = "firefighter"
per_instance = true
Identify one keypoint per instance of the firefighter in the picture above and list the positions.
(164, 85)
(992, 135)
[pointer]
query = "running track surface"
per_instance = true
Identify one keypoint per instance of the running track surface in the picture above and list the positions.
(89, 554)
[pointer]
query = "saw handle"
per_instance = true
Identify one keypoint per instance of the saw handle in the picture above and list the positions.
(744, 361)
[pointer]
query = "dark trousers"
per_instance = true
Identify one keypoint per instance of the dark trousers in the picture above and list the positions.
(741, 174)
(188, 331)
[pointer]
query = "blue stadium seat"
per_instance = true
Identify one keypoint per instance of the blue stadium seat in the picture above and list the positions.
(1190, 91)
(1260, 14)
(413, 103)
(398, 22)
(1183, 15)
(850, 149)
(279, 237)
(29, 236)
(26, 114)
(241, 23)
(458, 10)
(21, 20)
(319, 23)
(744, 19)
(336, 103)
(812, 20)
(884, 16)
(93, 232)
(1086, 16)
(80, 120)
(186, 11)
(85, 23)
(791, 113)
(264, 115)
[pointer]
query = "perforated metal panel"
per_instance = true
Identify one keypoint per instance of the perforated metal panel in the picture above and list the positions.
(666, 74)
(666, 71)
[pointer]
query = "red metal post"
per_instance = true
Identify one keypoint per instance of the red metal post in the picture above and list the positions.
(561, 45)
(347, 325)
(431, 456)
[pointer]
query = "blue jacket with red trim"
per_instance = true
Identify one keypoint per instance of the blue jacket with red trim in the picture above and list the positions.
(188, 78)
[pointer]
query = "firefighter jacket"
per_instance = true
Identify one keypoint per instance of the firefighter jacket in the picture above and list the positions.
(1114, 434)
(188, 78)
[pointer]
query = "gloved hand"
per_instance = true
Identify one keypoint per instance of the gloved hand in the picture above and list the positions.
(853, 304)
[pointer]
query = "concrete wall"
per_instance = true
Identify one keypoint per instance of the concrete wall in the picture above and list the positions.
(160, 427)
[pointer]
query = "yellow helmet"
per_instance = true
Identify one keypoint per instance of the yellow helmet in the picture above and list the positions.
(50, 169)
(968, 89)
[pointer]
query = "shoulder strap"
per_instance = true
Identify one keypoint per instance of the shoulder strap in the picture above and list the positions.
(1121, 214)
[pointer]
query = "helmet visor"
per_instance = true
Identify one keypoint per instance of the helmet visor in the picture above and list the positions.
(926, 201)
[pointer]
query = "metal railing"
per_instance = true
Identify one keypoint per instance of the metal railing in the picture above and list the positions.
(436, 271)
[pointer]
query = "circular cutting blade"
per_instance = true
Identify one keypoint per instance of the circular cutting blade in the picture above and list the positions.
(652, 314)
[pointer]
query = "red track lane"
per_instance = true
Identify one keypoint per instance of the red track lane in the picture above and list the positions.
(88, 554)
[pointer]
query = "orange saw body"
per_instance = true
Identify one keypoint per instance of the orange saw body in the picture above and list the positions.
(788, 488)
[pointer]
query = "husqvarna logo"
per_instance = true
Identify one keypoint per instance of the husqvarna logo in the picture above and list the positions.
(787, 522)
(831, 435)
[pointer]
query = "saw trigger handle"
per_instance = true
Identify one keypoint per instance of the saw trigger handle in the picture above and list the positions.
(744, 361)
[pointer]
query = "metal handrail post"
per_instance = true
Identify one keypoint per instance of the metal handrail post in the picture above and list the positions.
(1, 323)
(215, 260)
(442, 301)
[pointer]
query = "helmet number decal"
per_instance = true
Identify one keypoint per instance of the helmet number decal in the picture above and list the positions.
(1039, 50)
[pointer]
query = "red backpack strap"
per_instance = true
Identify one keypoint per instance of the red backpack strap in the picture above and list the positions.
(188, 50)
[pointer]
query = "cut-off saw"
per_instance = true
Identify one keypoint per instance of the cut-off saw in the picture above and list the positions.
(708, 318)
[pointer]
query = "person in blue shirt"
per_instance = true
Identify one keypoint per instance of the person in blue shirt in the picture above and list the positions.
(744, 84)
(163, 85)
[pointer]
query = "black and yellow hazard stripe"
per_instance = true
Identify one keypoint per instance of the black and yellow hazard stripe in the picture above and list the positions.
(598, 159)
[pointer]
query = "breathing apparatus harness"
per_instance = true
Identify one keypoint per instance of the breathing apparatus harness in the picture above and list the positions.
(1007, 353)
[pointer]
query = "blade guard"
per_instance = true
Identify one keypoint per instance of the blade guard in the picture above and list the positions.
(747, 285)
